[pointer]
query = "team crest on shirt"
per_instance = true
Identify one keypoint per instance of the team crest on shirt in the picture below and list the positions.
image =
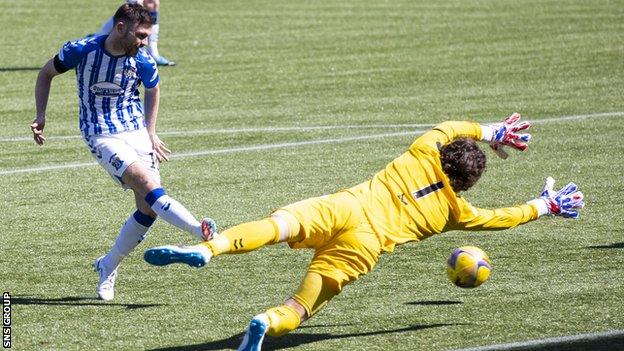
(106, 89)
(130, 72)
(116, 162)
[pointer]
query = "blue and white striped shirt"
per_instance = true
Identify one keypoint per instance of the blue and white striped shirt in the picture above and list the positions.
(108, 85)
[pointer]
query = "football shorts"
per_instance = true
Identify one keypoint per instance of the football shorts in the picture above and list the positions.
(335, 226)
(115, 152)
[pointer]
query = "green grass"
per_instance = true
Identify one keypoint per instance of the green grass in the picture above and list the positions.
(250, 64)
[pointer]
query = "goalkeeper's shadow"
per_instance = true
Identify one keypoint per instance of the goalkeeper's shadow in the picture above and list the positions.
(619, 245)
(292, 340)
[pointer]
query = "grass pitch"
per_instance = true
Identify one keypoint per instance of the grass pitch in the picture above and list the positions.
(370, 70)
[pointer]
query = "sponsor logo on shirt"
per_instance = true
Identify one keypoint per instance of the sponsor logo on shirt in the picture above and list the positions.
(106, 89)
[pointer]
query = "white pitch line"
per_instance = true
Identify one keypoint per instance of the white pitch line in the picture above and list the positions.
(221, 151)
(295, 144)
(247, 130)
(311, 128)
(577, 117)
(562, 340)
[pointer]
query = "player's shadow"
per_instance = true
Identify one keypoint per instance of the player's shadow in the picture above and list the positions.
(291, 340)
(75, 301)
(608, 246)
(18, 69)
(434, 303)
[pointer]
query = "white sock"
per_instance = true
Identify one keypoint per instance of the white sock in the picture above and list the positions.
(131, 234)
(173, 212)
(153, 41)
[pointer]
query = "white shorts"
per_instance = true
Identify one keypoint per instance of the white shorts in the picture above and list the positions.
(115, 152)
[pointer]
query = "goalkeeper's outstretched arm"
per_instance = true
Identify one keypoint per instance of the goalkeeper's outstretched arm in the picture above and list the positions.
(497, 135)
(565, 203)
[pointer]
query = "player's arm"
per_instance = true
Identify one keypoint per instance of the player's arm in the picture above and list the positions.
(152, 102)
(51, 69)
(474, 218)
(497, 135)
(565, 203)
(148, 72)
(446, 132)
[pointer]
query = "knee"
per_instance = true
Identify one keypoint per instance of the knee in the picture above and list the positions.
(287, 224)
(139, 179)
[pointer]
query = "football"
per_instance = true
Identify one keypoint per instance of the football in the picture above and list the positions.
(468, 267)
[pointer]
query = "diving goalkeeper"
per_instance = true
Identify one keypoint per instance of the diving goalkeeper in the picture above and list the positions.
(413, 198)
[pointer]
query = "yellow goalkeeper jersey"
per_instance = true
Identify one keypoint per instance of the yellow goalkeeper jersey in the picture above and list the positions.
(412, 199)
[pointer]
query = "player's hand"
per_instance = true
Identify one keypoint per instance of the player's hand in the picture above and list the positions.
(37, 129)
(505, 134)
(160, 148)
(566, 202)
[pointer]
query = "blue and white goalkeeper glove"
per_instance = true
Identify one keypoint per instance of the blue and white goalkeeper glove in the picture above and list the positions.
(504, 134)
(565, 202)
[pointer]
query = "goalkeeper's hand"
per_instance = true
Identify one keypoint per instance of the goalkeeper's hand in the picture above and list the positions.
(565, 202)
(505, 134)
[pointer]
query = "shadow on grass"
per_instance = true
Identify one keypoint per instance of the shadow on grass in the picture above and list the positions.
(291, 340)
(608, 246)
(76, 301)
(434, 303)
(17, 69)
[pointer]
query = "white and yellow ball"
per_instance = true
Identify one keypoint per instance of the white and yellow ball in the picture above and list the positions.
(468, 267)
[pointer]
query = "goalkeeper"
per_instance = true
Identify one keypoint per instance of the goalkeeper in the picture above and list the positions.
(413, 198)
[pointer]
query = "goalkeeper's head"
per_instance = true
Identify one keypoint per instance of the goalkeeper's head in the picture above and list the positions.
(463, 162)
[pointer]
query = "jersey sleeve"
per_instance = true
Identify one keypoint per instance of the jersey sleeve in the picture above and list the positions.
(148, 72)
(446, 132)
(71, 54)
(474, 218)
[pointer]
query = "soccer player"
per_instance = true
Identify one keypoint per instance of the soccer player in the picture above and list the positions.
(153, 6)
(413, 198)
(109, 69)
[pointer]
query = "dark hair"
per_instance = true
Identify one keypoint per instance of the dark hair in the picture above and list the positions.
(463, 162)
(133, 14)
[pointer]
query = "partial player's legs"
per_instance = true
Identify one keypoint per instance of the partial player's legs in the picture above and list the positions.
(238, 239)
(154, 198)
(132, 233)
(153, 7)
(313, 294)
(128, 158)
(352, 251)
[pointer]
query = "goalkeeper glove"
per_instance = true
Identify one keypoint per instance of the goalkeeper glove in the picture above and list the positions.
(565, 202)
(504, 133)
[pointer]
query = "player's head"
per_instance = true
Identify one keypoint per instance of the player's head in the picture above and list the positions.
(132, 27)
(463, 162)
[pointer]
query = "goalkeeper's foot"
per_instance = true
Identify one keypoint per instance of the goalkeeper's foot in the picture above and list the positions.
(194, 256)
(255, 334)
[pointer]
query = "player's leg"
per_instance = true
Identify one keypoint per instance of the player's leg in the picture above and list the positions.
(153, 6)
(313, 294)
(238, 239)
(131, 234)
(307, 223)
(129, 158)
(148, 191)
(350, 253)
